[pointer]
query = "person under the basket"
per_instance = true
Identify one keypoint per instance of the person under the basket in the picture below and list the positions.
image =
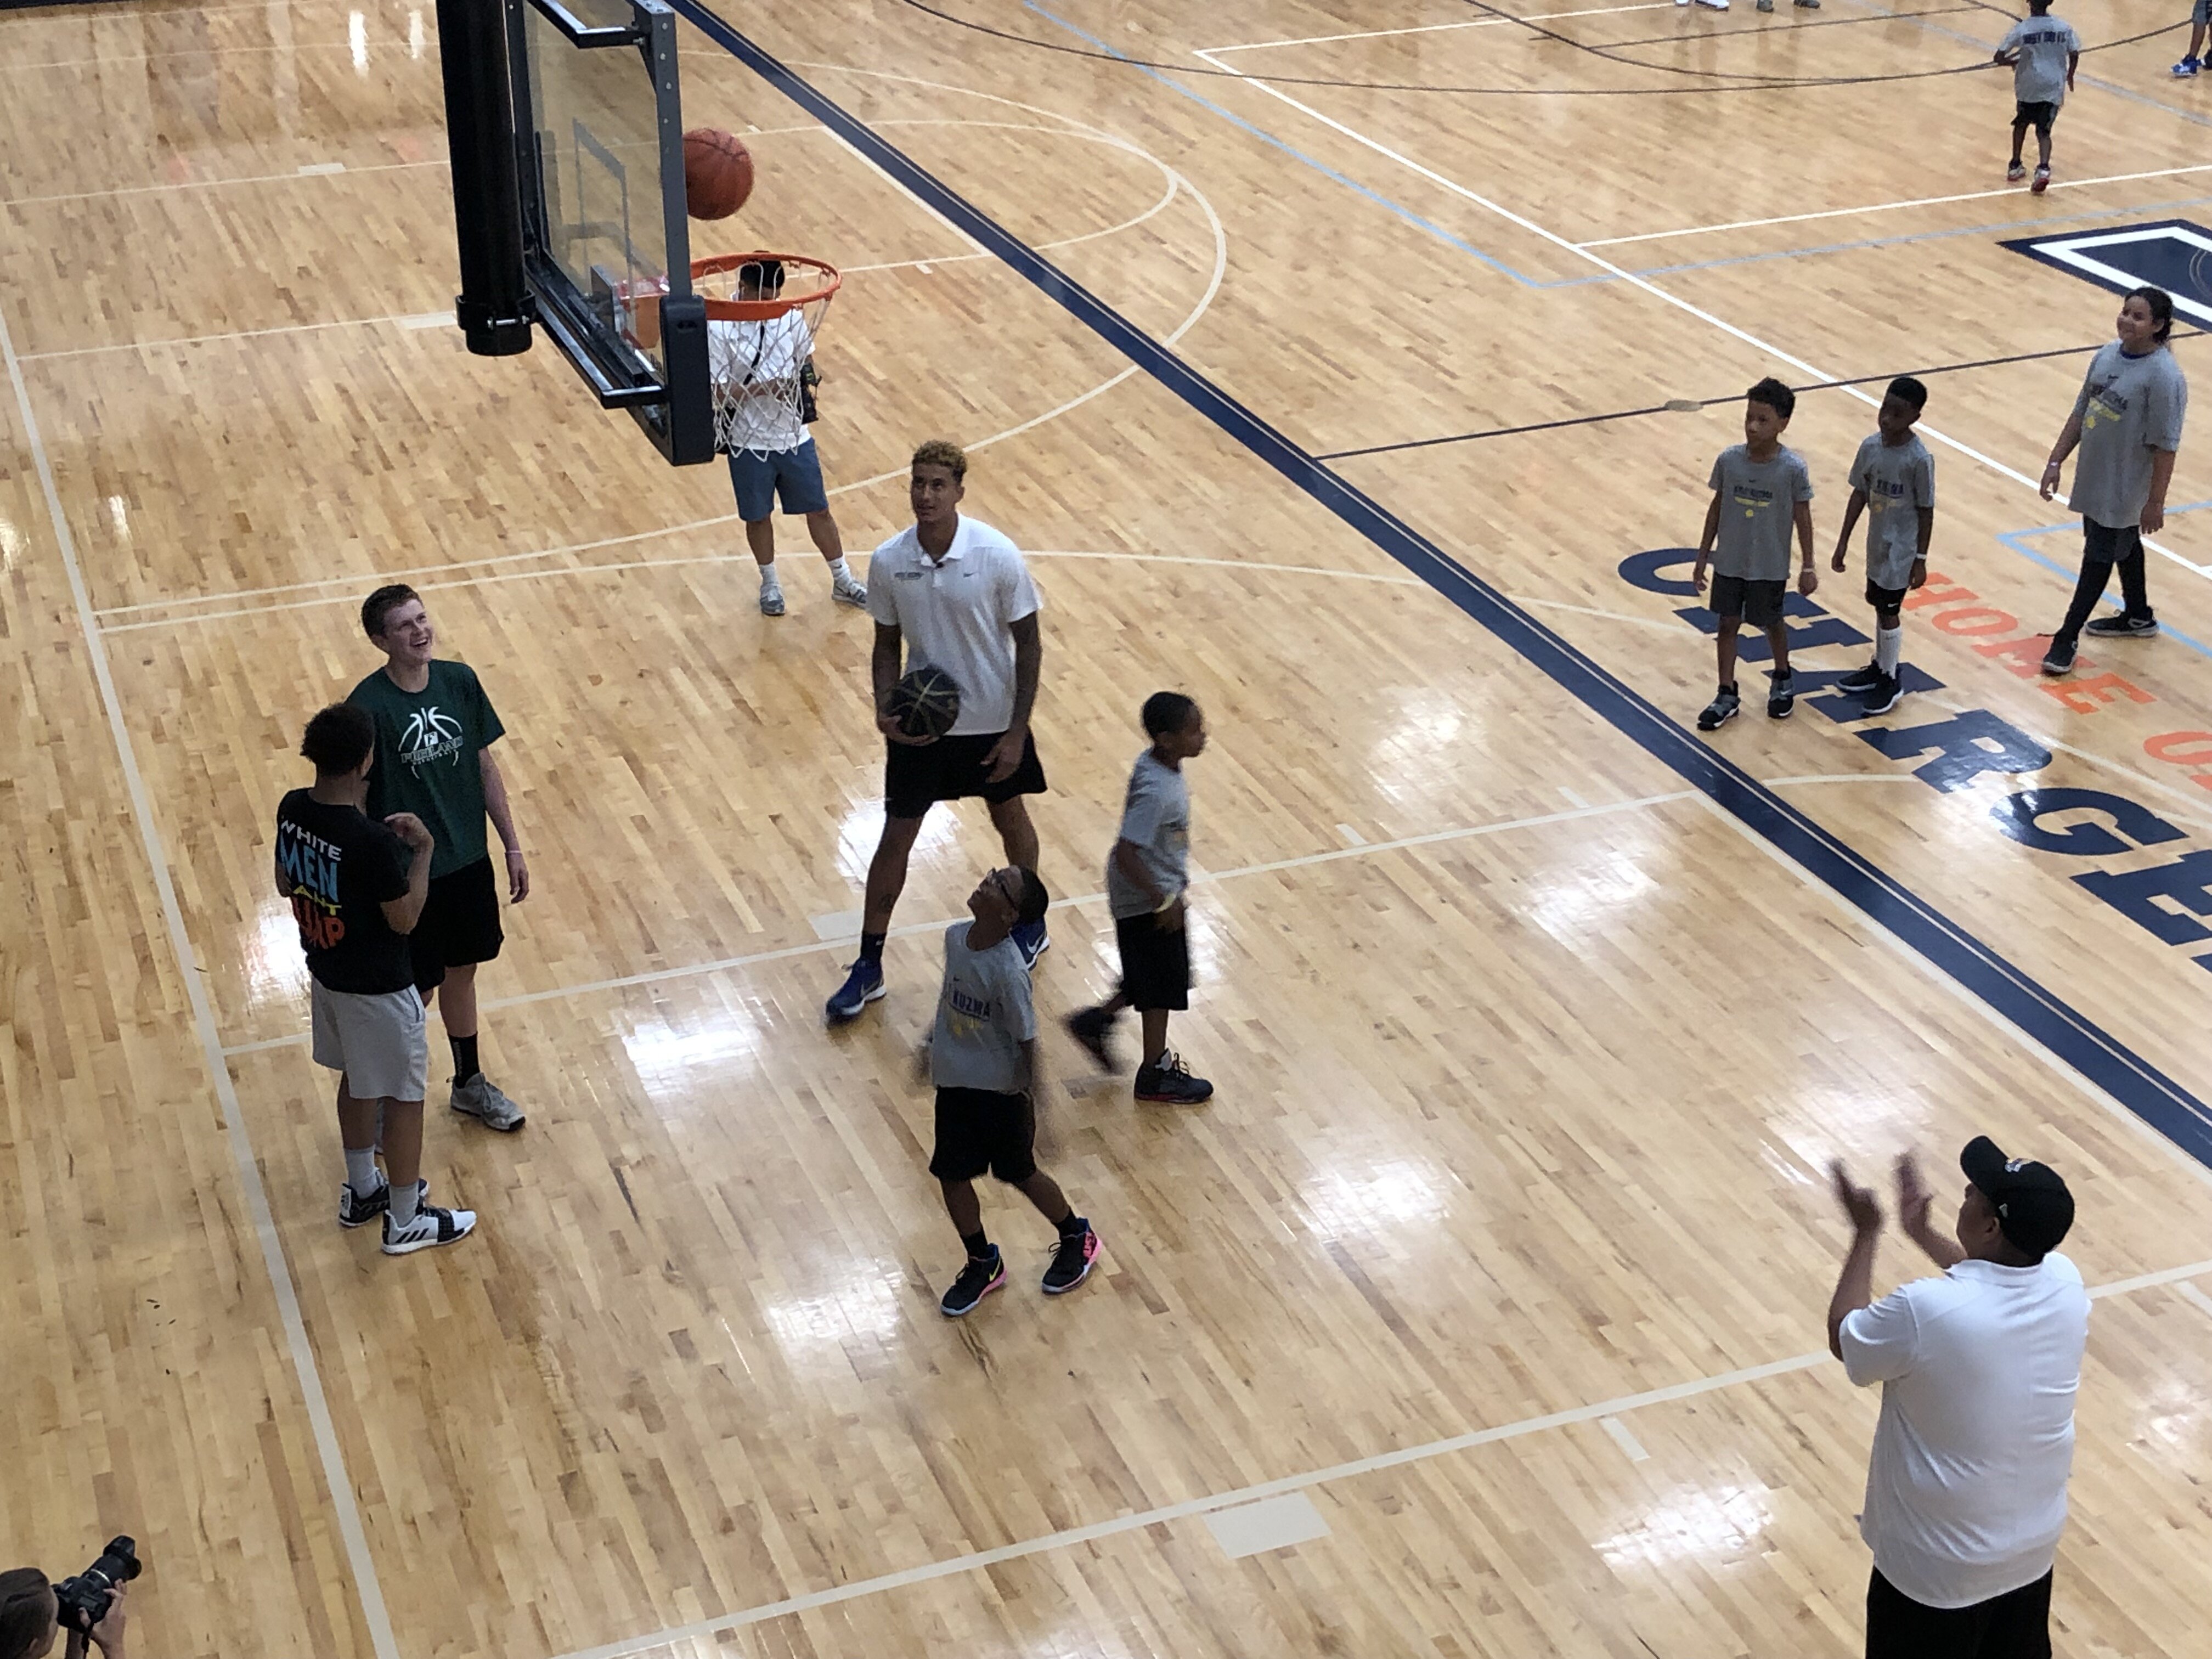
(760, 370)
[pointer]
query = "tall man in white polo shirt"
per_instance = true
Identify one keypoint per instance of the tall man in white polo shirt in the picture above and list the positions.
(955, 593)
(1966, 1488)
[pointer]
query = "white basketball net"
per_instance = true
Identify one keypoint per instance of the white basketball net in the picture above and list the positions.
(762, 358)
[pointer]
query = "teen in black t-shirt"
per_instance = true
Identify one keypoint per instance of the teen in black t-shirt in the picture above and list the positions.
(342, 868)
(356, 888)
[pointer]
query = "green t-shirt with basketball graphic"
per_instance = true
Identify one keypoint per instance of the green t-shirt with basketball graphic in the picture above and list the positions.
(427, 747)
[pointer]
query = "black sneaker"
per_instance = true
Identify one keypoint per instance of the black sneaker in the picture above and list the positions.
(357, 1212)
(1861, 679)
(2059, 660)
(2122, 628)
(1720, 710)
(981, 1276)
(1782, 695)
(1071, 1262)
(1094, 1028)
(1169, 1083)
(1884, 698)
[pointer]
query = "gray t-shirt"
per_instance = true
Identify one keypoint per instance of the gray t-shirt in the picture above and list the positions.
(1155, 818)
(1899, 482)
(1758, 503)
(983, 1016)
(2045, 44)
(2129, 407)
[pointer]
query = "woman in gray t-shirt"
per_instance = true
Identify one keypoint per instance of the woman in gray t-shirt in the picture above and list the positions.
(2127, 423)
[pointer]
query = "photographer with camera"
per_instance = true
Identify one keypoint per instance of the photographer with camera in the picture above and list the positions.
(88, 1607)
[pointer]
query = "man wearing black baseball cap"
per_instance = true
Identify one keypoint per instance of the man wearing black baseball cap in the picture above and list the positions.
(1966, 1486)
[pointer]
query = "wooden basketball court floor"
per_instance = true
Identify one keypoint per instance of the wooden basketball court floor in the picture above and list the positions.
(1498, 1262)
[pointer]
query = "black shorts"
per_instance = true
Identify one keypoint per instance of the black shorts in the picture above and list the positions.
(2038, 116)
(1887, 600)
(1155, 963)
(978, 1130)
(917, 775)
(459, 924)
(2104, 544)
(1758, 603)
(2014, 1625)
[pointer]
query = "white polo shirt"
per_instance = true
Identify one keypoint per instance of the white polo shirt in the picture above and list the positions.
(1966, 1488)
(958, 614)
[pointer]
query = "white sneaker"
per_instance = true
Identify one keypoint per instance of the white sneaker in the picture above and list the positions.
(846, 591)
(771, 599)
(430, 1228)
(1714, 5)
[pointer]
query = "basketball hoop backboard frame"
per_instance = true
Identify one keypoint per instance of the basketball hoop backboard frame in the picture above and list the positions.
(599, 162)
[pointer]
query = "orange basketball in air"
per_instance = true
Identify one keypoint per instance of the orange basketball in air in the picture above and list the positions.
(718, 173)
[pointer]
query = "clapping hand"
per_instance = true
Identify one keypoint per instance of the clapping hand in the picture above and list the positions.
(1859, 1203)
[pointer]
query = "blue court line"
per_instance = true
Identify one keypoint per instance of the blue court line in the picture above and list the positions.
(2070, 1036)
(2016, 540)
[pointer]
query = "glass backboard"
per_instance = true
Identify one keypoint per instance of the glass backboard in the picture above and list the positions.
(599, 135)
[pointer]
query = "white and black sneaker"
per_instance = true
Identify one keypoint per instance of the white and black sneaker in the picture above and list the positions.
(1720, 710)
(2122, 628)
(846, 591)
(430, 1228)
(1861, 679)
(1884, 696)
(355, 1211)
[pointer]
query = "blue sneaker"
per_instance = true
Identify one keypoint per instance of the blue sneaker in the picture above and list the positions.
(2187, 68)
(1033, 942)
(862, 985)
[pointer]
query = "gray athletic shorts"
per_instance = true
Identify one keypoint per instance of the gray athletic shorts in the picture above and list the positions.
(380, 1042)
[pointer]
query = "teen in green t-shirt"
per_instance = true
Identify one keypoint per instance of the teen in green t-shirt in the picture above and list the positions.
(434, 730)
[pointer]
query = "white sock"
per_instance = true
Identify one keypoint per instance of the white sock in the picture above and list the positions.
(768, 575)
(360, 1170)
(1887, 641)
(403, 1203)
(839, 570)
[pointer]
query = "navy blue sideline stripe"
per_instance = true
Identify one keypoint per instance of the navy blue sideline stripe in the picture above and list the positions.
(2070, 1035)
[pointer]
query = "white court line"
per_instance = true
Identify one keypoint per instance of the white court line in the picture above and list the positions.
(1204, 303)
(1204, 877)
(1612, 1425)
(286, 1296)
(1885, 207)
(291, 178)
(930, 1571)
(419, 320)
(1657, 292)
(1439, 28)
(1385, 578)
(1352, 836)
(1945, 982)
(2195, 1298)
(1842, 777)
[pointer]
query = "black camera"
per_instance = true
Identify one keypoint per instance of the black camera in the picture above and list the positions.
(84, 1599)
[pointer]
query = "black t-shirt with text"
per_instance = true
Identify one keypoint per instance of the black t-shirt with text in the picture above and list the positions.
(340, 866)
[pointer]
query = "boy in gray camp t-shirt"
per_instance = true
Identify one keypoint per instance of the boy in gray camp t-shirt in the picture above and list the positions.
(2127, 421)
(1146, 875)
(1761, 493)
(982, 1058)
(1892, 480)
(2043, 51)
